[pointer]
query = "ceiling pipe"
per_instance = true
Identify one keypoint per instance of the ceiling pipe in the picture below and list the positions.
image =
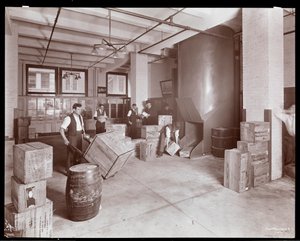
(147, 31)
(58, 12)
(171, 23)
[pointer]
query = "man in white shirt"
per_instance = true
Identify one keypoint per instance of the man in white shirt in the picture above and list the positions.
(288, 117)
(73, 125)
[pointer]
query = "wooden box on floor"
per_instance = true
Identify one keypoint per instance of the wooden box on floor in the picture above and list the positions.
(148, 149)
(237, 170)
(34, 223)
(33, 161)
(137, 145)
(172, 148)
(186, 151)
(253, 147)
(109, 152)
(27, 196)
(259, 172)
(255, 131)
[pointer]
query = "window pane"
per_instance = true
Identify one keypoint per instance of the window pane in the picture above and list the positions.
(41, 80)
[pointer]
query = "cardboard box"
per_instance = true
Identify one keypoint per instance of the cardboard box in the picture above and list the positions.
(173, 148)
(237, 170)
(110, 152)
(255, 131)
(27, 196)
(34, 223)
(33, 161)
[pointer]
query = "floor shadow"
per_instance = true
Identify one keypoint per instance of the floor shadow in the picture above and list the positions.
(59, 202)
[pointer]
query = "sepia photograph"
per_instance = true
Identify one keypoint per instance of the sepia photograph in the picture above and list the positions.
(149, 122)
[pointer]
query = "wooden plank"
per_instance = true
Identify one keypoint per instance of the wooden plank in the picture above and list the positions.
(32, 162)
(34, 223)
(26, 196)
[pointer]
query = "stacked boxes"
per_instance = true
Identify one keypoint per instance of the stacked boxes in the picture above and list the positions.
(30, 211)
(164, 120)
(119, 129)
(148, 148)
(253, 147)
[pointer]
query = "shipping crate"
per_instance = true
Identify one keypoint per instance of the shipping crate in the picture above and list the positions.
(119, 129)
(33, 161)
(109, 152)
(253, 147)
(150, 132)
(34, 223)
(26, 196)
(260, 172)
(137, 143)
(172, 148)
(148, 149)
(255, 131)
(164, 120)
(186, 151)
(237, 170)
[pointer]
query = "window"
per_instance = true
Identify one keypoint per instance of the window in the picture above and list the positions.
(41, 79)
(116, 84)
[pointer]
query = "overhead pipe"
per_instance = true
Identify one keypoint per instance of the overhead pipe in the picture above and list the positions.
(58, 12)
(165, 21)
(147, 31)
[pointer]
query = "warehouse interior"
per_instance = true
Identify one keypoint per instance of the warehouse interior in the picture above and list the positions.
(218, 69)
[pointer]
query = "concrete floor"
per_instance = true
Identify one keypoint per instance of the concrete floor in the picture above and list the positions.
(172, 197)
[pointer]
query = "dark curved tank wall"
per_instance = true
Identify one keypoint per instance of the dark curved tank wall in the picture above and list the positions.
(206, 74)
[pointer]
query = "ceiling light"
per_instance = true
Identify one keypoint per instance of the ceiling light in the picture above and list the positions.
(67, 74)
(107, 45)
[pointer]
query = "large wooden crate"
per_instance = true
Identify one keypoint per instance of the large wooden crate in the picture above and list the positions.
(255, 131)
(110, 152)
(237, 170)
(26, 196)
(34, 223)
(148, 149)
(33, 161)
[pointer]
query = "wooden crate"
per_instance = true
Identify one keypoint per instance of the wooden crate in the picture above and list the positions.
(172, 148)
(120, 129)
(186, 151)
(260, 172)
(148, 149)
(164, 120)
(34, 223)
(255, 131)
(253, 147)
(110, 152)
(33, 161)
(20, 194)
(237, 170)
(137, 143)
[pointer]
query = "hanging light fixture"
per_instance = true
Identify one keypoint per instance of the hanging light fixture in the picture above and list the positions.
(67, 74)
(107, 45)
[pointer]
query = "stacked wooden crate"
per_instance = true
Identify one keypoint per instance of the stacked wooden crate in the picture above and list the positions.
(151, 135)
(255, 138)
(30, 211)
(119, 129)
(248, 165)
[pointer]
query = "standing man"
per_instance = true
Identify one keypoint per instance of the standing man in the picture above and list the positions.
(100, 116)
(132, 118)
(74, 127)
(149, 114)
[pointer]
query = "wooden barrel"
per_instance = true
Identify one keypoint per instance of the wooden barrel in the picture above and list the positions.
(222, 139)
(83, 191)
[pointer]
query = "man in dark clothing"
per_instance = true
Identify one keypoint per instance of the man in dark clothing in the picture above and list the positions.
(132, 118)
(149, 114)
(100, 116)
(74, 126)
(168, 134)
